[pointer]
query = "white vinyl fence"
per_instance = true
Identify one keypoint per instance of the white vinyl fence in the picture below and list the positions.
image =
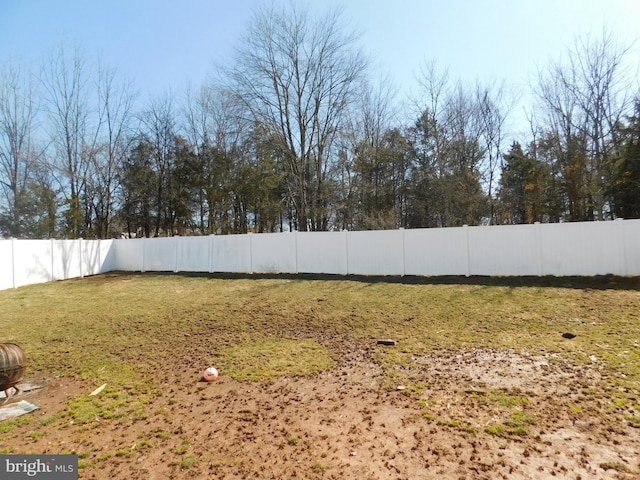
(580, 249)
(24, 262)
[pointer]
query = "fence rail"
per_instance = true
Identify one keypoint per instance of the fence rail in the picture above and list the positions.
(580, 249)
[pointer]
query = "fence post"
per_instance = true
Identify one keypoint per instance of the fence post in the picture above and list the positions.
(250, 234)
(52, 263)
(176, 241)
(144, 242)
(540, 251)
(404, 257)
(622, 245)
(210, 250)
(295, 240)
(346, 251)
(81, 258)
(13, 262)
(466, 234)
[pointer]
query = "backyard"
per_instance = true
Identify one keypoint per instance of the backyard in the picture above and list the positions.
(476, 380)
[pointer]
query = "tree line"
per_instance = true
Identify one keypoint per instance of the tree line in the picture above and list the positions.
(293, 134)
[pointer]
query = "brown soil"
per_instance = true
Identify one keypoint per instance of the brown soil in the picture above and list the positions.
(354, 422)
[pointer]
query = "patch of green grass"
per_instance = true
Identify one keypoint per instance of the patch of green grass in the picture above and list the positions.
(293, 441)
(497, 430)
(319, 467)
(113, 405)
(274, 357)
(428, 415)
(576, 409)
(520, 419)
(426, 403)
(619, 403)
(182, 448)
(501, 430)
(634, 420)
(35, 435)
(453, 423)
(515, 424)
(84, 410)
(499, 397)
(458, 425)
(413, 391)
(125, 452)
(512, 400)
(103, 456)
(50, 420)
(8, 426)
(189, 461)
(142, 444)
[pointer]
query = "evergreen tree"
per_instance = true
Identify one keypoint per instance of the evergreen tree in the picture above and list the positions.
(138, 179)
(525, 188)
(624, 187)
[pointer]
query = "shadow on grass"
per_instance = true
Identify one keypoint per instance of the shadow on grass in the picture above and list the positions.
(598, 282)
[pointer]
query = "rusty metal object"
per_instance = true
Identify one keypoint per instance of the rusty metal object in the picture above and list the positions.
(12, 366)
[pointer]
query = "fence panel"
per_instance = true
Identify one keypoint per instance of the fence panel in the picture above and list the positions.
(230, 253)
(586, 248)
(273, 252)
(97, 256)
(322, 252)
(630, 246)
(66, 259)
(128, 255)
(6, 259)
(436, 251)
(160, 254)
(376, 253)
(193, 254)
(32, 262)
(504, 250)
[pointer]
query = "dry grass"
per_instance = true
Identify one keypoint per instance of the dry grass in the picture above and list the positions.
(114, 328)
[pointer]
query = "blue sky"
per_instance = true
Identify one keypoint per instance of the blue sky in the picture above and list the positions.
(163, 44)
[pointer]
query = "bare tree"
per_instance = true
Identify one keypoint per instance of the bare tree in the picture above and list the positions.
(493, 105)
(449, 142)
(65, 80)
(198, 111)
(605, 98)
(17, 153)
(114, 116)
(372, 167)
(585, 100)
(212, 128)
(158, 123)
(430, 204)
(297, 75)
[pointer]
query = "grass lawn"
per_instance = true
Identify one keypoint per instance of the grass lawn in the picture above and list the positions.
(133, 331)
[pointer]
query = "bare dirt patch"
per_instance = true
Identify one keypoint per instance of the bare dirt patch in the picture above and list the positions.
(473, 414)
